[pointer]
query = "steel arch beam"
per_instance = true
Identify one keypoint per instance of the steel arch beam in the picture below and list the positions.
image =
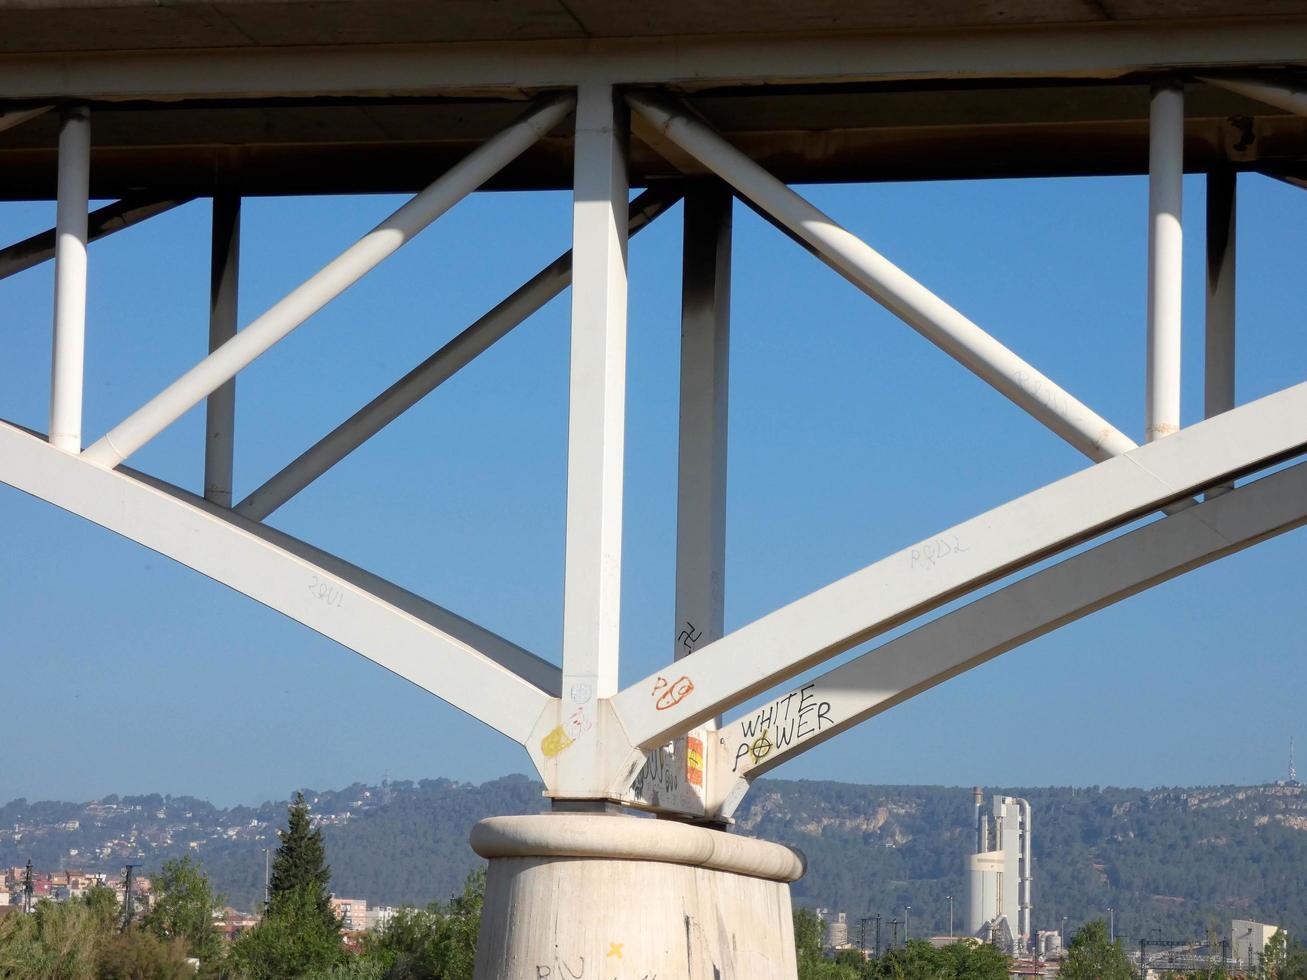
(920, 578)
(956, 642)
(533, 669)
(323, 595)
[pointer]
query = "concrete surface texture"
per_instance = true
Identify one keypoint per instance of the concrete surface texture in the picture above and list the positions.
(589, 896)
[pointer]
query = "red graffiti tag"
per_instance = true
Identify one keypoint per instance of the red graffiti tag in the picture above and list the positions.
(674, 693)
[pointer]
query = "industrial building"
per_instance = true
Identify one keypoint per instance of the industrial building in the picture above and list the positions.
(999, 874)
(1248, 940)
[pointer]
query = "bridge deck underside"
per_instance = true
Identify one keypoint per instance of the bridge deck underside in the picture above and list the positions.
(804, 135)
(103, 25)
(297, 97)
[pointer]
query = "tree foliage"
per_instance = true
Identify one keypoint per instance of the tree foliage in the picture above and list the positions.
(1282, 959)
(1092, 956)
(917, 960)
(80, 940)
(292, 942)
(138, 954)
(54, 942)
(183, 908)
(435, 943)
(920, 960)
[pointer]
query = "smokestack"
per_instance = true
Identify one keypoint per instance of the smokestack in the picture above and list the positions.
(982, 845)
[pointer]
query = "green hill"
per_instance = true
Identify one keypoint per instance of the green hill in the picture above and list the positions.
(1174, 860)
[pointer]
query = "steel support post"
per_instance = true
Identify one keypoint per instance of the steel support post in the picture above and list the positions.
(701, 469)
(325, 285)
(701, 472)
(1219, 356)
(70, 279)
(433, 372)
(889, 285)
(1165, 240)
(220, 410)
(596, 422)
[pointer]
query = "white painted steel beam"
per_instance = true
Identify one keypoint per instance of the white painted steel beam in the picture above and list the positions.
(433, 372)
(31, 252)
(220, 409)
(1165, 260)
(531, 668)
(16, 117)
(890, 286)
(1219, 354)
(69, 348)
(246, 559)
(592, 575)
(834, 702)
(1111, 50)
(596, 423)
(705, 373)
(955, 561)
(1281, 96)
(333, 279)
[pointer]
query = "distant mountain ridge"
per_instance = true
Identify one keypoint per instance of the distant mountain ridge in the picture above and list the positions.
(1174, 860)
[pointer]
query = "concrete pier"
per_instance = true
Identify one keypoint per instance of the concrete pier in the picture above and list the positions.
(573, 896)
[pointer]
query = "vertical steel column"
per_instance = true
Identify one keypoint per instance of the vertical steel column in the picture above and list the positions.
(220, 409)
(1165, 240)
(70, 280)
(1218, 360)
(705, 344)
(596, 424)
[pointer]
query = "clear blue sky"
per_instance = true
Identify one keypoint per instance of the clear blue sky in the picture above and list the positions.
(850, 437)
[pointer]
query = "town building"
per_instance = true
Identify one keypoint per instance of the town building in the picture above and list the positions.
(352, 913)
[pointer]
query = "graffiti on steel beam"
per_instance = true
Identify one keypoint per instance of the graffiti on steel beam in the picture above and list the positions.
(688, 637)
(785, 722)
(930, 553)
(671, 693)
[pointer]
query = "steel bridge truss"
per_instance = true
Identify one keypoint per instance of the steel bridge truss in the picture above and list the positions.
(660, 743)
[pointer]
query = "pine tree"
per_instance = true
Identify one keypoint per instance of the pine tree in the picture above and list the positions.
(300, 874)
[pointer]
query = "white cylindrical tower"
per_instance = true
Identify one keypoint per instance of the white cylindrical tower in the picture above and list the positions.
(984, 891)
(1027, 875)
